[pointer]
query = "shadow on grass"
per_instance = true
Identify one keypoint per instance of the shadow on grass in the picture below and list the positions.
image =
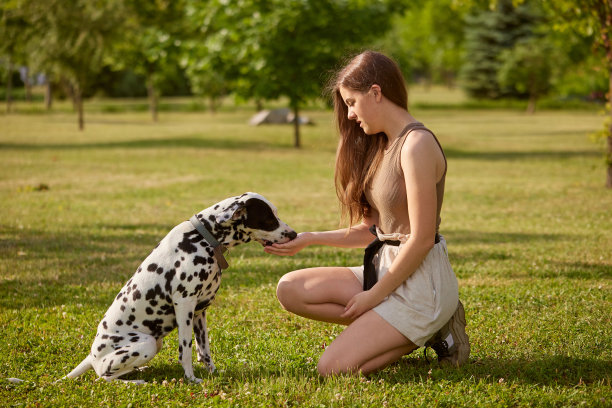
(544, 370)
(195, 142)
(453, 153)
(54, 268)
(475, 237)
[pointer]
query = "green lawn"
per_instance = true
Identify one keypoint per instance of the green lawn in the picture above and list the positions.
(527, 220)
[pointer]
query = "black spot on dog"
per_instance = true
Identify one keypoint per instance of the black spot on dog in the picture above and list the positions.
(177, 264)
(186, 245)
(200, 260)
(136, 295)
(119, 323)
(149, 311)
(169, 276)
(104, 325)
(260, 215)
(101, 346)
(152, 267)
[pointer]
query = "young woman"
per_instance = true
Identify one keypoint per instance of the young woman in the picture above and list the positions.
(390, 173)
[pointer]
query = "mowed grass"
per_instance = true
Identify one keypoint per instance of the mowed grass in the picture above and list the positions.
(526, 217)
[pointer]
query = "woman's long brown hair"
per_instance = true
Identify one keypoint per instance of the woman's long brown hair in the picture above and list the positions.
(358, 155)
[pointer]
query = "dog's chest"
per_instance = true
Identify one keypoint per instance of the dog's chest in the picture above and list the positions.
(168, 275)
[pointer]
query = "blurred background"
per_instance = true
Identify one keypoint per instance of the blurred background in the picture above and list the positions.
(259, 50)
(528, 53)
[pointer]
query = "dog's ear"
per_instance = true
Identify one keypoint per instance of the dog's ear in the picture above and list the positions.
(233, 212)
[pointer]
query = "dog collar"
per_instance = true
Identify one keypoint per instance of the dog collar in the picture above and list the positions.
(218, 249)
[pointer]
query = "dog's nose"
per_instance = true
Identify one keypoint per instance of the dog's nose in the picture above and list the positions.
(292, 235)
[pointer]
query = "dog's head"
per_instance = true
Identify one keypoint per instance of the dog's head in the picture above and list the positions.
(247, 217)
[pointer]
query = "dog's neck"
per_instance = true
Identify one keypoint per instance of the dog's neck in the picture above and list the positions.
(226, 235)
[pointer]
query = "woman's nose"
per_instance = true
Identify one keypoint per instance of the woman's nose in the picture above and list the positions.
(351, 114)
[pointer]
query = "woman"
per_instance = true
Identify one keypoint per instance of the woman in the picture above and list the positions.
(390, 173)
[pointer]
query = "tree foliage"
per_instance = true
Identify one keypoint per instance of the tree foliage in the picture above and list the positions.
(488, 34)
(269, 49)
(427, 41)
(70, 39)
(527, 68)
(150, 43)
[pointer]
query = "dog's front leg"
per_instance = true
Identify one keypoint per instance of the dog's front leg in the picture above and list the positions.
(201, 335)
(183, 310)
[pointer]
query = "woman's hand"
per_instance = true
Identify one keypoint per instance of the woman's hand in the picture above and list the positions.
(292, 247)
(359, 304)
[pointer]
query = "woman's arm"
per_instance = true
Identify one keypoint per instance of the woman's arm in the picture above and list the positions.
(423, 165)
(357, 237)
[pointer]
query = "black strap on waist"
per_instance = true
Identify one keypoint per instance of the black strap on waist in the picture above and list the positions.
(369, 271)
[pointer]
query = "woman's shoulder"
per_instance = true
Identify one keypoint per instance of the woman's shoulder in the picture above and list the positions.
(418, 140)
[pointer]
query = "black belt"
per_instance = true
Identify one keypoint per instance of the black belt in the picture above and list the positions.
(369, 271)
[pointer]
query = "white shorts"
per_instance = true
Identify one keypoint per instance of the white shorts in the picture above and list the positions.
(424, 302)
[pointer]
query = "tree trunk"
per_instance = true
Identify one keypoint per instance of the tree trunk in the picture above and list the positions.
(78, 103)
(153, 100)
(9, 87)
(27, 84)
(531, 105)
(48, 95)
(296, 127)
(609, 138)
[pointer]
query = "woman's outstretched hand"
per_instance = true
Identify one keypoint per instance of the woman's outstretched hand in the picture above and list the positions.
(290, 248)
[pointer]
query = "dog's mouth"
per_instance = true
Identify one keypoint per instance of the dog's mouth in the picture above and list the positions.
(265, 242)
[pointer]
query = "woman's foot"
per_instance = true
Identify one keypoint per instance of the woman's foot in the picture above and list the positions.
(451, 343)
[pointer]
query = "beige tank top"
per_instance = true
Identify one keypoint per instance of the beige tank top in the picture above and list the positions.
(387, 191)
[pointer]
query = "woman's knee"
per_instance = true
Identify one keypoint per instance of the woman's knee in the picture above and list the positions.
(286, 292)
(330, 364)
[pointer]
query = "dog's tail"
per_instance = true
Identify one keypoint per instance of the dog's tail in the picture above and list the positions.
(81, 368)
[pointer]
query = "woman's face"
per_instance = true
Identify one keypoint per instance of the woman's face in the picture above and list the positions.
(362, 108)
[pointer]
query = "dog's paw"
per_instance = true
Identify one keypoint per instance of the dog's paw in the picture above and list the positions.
(194, 379)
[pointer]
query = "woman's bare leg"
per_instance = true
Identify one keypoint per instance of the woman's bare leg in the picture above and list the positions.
(318, 293)
(367, 345)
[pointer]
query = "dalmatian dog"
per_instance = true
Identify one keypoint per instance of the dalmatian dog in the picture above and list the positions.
(175, 284)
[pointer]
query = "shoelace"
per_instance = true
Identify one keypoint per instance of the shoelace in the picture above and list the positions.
(440, 347)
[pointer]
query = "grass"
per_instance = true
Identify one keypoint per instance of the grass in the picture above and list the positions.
(526, 217)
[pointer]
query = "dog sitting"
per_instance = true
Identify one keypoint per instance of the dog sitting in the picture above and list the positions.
(174, 286)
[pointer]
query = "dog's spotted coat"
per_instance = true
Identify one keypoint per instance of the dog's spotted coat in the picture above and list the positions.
(174, 286)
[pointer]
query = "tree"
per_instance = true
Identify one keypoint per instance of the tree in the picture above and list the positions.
(488, 34)
(268, 49)
(14, 31)
(527, 69)
(427, 41)
(71, 40)
(150, 43)
(591, 19)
